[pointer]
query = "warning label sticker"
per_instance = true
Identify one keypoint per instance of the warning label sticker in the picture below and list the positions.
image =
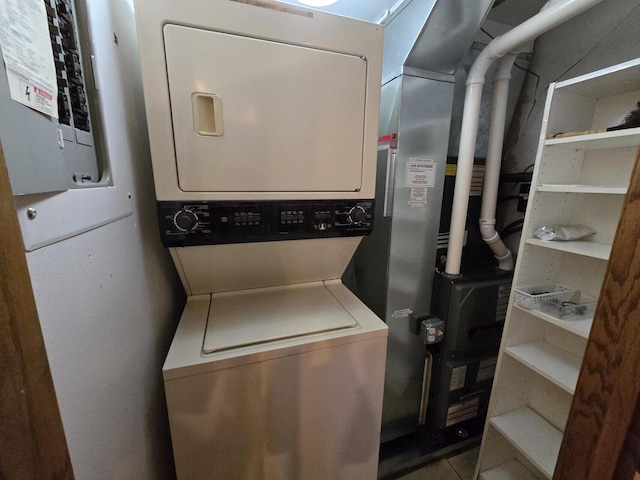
(458, 376)
(36, 98)
(420, 173)
(418, 197)
(459, 412)
(487, 369)
(404, 313)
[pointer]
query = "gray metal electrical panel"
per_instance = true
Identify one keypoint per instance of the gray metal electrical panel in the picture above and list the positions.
(45, 154)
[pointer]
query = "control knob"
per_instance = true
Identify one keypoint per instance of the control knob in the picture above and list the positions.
(185, 220)
(357, 215)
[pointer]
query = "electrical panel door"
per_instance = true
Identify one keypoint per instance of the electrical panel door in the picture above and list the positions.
(253, 115)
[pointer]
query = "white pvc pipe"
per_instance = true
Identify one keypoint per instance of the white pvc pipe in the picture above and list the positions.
(464, 170)
(552, 14)
(498, 119)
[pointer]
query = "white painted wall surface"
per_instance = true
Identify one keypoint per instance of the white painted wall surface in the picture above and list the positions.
(109, 299)
(605, 35)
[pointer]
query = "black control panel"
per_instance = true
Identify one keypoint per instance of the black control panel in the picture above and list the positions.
(208, 223)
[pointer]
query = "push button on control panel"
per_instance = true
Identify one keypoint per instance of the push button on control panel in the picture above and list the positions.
(322, 220)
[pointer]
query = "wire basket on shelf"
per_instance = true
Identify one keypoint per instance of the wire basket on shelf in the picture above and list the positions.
(531, 296)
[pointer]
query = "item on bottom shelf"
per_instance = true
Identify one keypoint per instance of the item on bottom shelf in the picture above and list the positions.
(532, 296)
(563, 232)
(567, 310)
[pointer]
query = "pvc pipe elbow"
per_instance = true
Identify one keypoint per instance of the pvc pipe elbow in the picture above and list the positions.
(493, 240)
(488, 231)
(506, 262)
(504, 67)
(478, 71)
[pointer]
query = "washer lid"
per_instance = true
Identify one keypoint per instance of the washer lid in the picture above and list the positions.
(241, 319)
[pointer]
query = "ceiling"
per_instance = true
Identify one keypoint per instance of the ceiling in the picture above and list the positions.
(514, 12)
(511, 12)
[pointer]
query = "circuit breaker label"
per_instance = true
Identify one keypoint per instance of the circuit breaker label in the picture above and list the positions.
(458, 376)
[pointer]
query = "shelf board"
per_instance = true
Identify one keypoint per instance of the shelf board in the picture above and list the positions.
(582, 189)
(512, 470)
(533, 436)
(580, 327)
(629, 137)
(579, 247)
(556, 365)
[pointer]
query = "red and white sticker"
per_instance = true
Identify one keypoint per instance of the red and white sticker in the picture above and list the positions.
(36, 98)
(28, 55)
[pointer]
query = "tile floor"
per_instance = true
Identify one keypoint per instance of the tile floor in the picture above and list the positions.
(460, 467)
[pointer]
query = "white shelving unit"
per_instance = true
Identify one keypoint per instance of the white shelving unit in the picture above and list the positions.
(581, 327)
(579, 247)
(553, 363)
(538, 440)
(512, 470)
(579, 179)
(582, 189)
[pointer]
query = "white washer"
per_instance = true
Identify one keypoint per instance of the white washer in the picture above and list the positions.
(291, 388)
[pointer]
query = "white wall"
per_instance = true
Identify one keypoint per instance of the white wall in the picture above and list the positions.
(603, 36)
(109, 299)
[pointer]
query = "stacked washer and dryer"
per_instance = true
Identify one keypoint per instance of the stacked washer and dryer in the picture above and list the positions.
(263, 126)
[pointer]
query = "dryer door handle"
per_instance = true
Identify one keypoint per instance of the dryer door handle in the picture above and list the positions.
(207, 114)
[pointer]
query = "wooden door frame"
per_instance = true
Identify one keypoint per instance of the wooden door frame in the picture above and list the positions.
(602, 436)
(32, 440)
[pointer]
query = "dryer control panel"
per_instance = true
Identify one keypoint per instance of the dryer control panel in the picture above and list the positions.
(185, 224)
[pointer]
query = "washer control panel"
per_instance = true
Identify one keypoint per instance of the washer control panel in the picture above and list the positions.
(208, 223)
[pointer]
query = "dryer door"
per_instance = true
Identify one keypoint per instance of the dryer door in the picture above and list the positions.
(251, 115)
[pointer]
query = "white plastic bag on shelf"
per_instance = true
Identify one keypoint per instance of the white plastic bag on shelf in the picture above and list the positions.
(563, 232)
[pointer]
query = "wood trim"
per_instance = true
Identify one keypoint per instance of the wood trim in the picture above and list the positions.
(629, 460)
(32, 441)
(601, 419)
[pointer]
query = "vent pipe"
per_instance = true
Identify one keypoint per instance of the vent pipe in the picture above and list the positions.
(501, 78)
(554, 13)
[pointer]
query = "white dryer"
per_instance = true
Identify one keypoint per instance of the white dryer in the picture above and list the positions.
(263, 131)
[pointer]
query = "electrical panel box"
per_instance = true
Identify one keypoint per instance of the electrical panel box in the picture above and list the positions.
(45, 154)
